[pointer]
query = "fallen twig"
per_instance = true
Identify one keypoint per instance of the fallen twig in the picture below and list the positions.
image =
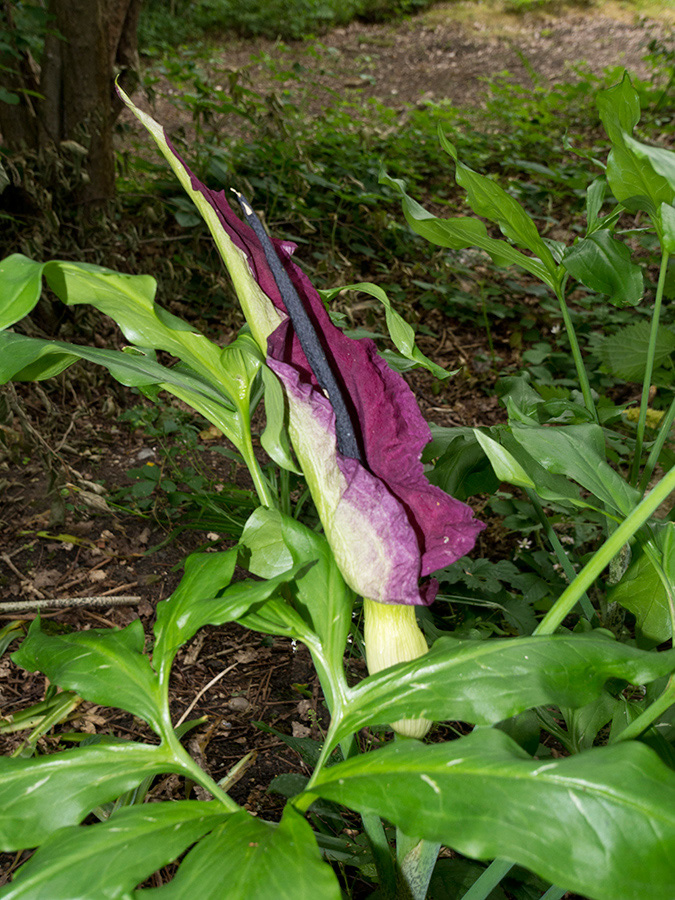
(64, 602)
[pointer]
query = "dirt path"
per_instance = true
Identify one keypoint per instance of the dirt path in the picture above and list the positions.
(447, 52)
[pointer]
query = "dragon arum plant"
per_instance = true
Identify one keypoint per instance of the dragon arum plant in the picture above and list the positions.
(600, 821)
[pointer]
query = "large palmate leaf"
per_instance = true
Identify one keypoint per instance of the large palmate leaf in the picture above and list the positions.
(246, 858)
(226, 375)
(110, 859)
(106, 666)
(462, 232)
(483, 682)
(130, 301)
(37, 796)
(601, 823)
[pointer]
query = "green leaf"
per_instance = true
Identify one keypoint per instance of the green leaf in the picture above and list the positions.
(514, 465)
(248, 858)
(240, 363)
(32, 359)
(106, 666)
(108, 860)
(603, 264)
(583, 724)
(320, 596)
(20, 288)
(264, 538)
(642, 590)
(547, 485)
(130, 301)
(205, 597)
(206, 575)
(578, 451)
(619, 108)
(486, 198)
(37, 796)
(667, 214)
(624, 353)
(460, 233)
(400, 331)
(595, 196)
(274, 439)
(452, 878)
(662, 161)
(505, 465)
(461, 467)
(633, 179)
(10, 632)
(483, 682)
(485, 797)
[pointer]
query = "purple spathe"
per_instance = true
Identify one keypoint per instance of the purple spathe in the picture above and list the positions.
(387, 525)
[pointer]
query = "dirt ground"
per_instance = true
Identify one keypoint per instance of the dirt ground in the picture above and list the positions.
(99, 550)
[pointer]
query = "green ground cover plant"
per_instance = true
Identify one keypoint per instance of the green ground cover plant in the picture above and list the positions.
(576, 648)
(186, 19)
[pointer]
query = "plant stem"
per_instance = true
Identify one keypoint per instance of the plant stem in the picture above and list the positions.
(657, 446)
(649, 368)
(559, 550)
(649, 715)
(382, 855)
(489, 880)
(196, 773)
(259, 481)
(416, 861)
(601, 558)
(576, 353)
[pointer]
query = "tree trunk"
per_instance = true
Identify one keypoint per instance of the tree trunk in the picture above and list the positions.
(88, 43)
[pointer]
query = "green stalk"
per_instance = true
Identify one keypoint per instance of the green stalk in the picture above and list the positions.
(488, 881)
(649, 715)
(259, 481)
(657, 446)
(171, 741)
(582, 375)
(382, 855)
(416, 862)
(559, 551)
(190, 768)
(601, 558)
(372, 824)
(649, 368)
(285, 491)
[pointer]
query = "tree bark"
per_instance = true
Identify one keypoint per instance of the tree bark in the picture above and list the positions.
(88, 43)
